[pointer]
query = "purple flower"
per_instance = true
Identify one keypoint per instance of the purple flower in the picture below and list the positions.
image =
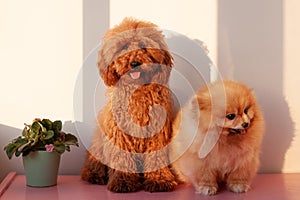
(49, 147)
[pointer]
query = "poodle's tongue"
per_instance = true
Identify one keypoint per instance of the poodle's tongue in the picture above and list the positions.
(135, 75)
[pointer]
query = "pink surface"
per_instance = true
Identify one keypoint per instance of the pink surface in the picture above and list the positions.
(265, 187)
(6, 182)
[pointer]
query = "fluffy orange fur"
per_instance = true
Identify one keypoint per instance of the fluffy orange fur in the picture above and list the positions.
(128, 149)
(226, 137)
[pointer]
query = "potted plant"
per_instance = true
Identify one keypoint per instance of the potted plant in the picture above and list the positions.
(41, 145)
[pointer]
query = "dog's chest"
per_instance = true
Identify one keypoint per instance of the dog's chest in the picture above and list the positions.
(227, 157)
(142, 111)
(136, 103)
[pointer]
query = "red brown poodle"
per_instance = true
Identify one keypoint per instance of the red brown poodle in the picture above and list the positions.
(129, 151)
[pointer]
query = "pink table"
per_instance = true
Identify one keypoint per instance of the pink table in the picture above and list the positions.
(264, 187)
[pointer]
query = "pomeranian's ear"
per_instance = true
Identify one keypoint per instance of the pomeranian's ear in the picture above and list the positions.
(204, 99)
(210, 140)
(107, 71)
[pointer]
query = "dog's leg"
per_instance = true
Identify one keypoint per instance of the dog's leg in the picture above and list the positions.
(160, 180)
(94, 171)
(158, 176)
(205, 182)
(239, 180)
(123, 182)
(123, 175)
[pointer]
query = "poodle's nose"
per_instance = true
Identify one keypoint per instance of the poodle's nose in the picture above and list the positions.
(245, 124)
(135, 64)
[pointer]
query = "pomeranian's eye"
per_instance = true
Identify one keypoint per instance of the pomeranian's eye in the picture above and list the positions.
(230, 116)
(125, 46)
(246, 109)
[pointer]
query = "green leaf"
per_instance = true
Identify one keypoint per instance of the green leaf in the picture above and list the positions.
(20, 140)
(48, 135)
(47, 124)
(68, 148)
(60, 147)
(18, 153)
(57, 126)
(43, 129)
(20, 149)
(32, 134)
(35, 127)
(35, 140)
(25, 132)
(71, 139)
(10, 149)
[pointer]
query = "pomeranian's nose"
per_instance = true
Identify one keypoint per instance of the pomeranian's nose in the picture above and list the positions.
(245, 124)
(135, 64)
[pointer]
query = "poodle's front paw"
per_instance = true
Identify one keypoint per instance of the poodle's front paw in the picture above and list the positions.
(206, 189)
(94, 178)
(159, 185)
(124, 182)
(123, 186)
(238, 187)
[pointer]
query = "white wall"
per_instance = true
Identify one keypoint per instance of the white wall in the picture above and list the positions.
(42, 44)
(258, 43)
(41, 53)
(291, 80)
(40, 56)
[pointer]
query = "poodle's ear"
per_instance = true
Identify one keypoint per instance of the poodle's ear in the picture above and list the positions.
(166, 62)
(165, 67)
(107, 71)
(168, 59)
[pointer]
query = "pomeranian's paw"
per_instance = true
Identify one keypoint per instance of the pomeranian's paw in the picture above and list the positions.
(206, 190)
(159, 185)
(238, 187)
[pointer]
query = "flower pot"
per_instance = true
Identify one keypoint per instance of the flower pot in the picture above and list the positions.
(41, 168)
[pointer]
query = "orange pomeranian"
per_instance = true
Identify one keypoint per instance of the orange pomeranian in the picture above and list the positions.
(218, 138)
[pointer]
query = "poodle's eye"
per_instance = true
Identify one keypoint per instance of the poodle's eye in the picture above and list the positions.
(230, 116)
(142, 45)
(246, 109)
(125, 46)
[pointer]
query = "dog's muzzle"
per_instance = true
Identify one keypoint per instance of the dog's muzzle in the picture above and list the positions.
(135, 74)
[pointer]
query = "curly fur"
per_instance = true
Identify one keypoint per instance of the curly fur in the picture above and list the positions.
(234, 157)
(128, 149)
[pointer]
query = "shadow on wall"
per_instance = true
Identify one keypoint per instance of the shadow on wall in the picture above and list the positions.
(71, 162)
(250, 38)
